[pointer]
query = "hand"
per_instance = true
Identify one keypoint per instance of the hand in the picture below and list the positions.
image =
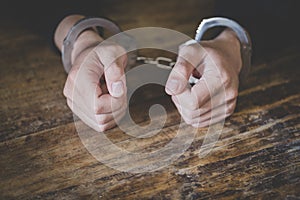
(100, 104)
(95, 88)
(213, 98)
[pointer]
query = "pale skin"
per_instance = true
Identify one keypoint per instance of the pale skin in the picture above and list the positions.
(101, 104)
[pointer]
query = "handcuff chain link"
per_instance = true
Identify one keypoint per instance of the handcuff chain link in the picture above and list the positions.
(160, 62)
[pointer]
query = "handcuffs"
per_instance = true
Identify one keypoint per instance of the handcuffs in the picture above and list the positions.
(91, 22)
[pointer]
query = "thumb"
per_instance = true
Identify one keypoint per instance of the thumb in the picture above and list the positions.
(115, 77)
(179, 76)
(114, 60)
(190, 56)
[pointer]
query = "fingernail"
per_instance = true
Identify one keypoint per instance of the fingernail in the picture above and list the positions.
(173, 85)
(117, 89)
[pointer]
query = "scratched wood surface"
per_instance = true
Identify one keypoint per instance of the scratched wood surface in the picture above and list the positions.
(43, 157)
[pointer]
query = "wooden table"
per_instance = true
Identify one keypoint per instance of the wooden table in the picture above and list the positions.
(42, 156)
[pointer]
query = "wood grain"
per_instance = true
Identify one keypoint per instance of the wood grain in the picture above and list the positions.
(43, 157)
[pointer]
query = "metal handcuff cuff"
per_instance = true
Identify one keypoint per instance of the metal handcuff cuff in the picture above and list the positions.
(206, 24)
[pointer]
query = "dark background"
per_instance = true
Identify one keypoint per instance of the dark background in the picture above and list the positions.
(272, 24)
(42, 157)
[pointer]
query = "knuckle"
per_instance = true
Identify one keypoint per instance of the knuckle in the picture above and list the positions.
(68, 89)
(106, 52)
(230, 109)
(113, 48)
(104, 127)
(101, 128)
(192, 113)
(69, 104)
(197, 125)
(193, 104)
(102, 119)
(118, 48)
(72, 74)
(185, 112)
(197, 113)
(235, 93)
(98, 109)
(114, 69)
(187, 49)
(232, 94)
(181, 69)
(200, 125)
(66, 92)
(226, 80)
(187, 120)
(72, 107)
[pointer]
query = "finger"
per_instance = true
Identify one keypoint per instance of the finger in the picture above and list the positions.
(216, 115)
(200, 94)
(86, 119)
(115, 78)
(88, 91)
(210, 121)
(105, 118)
(187, 118)
(192, 114)
(190, 56)
(218, 112)
(92, 121)
(103, 104)
(114, 59)
(207, 87)
(209, 84)
(86, 84)
(223, 110)
(206, 112)
(69, 84)
(111, 123)
(106, 108)
(214, 102)
(179, 76)
(186, 100)
(107, 104)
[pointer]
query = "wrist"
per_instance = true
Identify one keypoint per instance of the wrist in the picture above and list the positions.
(231, 47)
(226, 47)
(63, 28)
(86, 38)
(229, 36)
